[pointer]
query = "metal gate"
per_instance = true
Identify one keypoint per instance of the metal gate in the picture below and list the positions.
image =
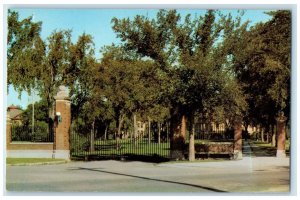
(153, 147)
(144, 146)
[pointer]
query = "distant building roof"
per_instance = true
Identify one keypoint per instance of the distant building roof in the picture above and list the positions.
(14, 112)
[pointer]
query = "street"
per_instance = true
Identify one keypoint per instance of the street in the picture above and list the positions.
(252, 174)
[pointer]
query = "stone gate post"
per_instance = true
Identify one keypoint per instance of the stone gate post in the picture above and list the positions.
(62, 124)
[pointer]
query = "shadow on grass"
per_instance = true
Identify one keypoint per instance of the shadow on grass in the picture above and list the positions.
(150, 179)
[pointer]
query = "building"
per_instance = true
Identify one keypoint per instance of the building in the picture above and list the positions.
(15, 114)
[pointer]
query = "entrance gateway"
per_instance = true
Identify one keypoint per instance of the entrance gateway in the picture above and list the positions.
(154, 145)
(72, 142)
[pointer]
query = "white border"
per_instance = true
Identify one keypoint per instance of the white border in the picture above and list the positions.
(162, 3)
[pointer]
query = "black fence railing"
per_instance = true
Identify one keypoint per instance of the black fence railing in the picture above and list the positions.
(84, 145)
(155, 147)
(38, 133)
(213, 132)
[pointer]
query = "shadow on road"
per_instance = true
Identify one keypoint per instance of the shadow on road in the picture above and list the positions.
(151, 179)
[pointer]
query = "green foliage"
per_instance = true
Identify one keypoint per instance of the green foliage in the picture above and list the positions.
(164, 68)
(195, 80)
(55, 62)
(40, 114)
(129, 84)
(25, 51)
(24, 132)
(262, 65)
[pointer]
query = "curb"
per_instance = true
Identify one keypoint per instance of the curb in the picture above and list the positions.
(39, 163)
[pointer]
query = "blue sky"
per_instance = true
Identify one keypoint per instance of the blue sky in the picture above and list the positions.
(97, 22)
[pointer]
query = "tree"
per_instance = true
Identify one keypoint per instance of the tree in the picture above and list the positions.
(80, 73)
(193, 77)
(25, 52)
(126, 84)
(41, 113)
(261, 62)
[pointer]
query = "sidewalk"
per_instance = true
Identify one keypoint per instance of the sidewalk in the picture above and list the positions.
(253, 160)
(251, 149)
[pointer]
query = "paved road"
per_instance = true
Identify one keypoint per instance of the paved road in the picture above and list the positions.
(259, 174)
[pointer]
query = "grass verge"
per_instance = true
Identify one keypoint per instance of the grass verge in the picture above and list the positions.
(264, 144)
(13, 161)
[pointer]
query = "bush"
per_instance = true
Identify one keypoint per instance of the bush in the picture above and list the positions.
(41, 133)
(86, 146)
(24, 133)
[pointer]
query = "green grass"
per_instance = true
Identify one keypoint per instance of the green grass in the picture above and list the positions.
(13, 161)
(198, 141)
(264, 144)
(127, 147)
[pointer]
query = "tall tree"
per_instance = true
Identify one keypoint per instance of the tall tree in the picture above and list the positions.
(80, 73)
(130, 84)
(25, 52)
(262, 64)
(194, 76)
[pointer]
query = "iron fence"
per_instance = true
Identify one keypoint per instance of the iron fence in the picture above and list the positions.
(85, 145)
(38, 133)
(143, 147)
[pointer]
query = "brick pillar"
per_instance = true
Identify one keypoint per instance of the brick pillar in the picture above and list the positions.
(238, 139)
(62, 127)
(281, 119)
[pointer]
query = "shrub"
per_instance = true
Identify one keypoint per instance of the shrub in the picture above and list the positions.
(25, 133)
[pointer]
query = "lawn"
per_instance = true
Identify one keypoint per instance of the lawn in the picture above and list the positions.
(264, 144)
(142, 147)
(13, 161)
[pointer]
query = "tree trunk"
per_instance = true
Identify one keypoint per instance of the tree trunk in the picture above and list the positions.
(273, 136)
(267, 134)
(120, 123)
(131, 133)
(149, 130)
(135, 129)
(177, 142)
(238, 138)
(92, 139)
(168, 129)
(192, 139)
(159, 127)
(246, 130)
(262, 134)
(51, 118)
(183, 126)
(105, 132)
